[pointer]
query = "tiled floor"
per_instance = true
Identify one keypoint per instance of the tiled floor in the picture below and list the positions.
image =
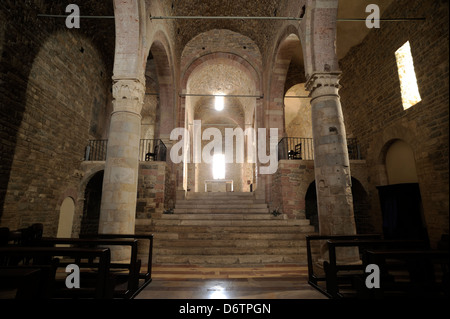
(193, 282)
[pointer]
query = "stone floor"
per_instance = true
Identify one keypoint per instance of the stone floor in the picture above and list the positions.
(194, 282)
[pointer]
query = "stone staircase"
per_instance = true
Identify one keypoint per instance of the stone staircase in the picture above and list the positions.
(227, 229)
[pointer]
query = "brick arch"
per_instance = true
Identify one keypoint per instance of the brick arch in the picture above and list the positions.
(277, 80)
(320, 40)
(161, 51)
(229, 58)
(130, 29)
(221, 40)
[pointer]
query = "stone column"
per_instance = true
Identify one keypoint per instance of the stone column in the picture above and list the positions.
(331, 162)
(118, 208)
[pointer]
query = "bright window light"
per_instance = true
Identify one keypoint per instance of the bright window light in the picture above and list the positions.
(219, 103)
(219, 166)
(407, 76)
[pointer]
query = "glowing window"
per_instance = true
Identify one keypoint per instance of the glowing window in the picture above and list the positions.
(219, 103)
(407, 76)
(219, 166)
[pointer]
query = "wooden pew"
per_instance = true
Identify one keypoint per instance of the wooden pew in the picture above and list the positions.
(412, 273)
(342, 275)
(44, 257)
(133, 266)
(145, 276)
(313, 278)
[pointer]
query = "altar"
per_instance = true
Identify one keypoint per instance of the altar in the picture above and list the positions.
(219, 185)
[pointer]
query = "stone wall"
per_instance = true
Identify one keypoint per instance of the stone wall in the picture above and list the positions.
(289, 186)
(293, 178)
(156, 192)
(372, 104)
(55, 92)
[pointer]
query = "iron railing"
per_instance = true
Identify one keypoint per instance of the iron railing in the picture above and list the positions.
(303, 148)
(149, 150)
(152, 150)
(96, 150)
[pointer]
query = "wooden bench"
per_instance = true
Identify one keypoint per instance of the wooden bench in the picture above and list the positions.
(411, 273)
(313, 278)
(146, 277)
(99, 286)
(130, 278)
(342, 275)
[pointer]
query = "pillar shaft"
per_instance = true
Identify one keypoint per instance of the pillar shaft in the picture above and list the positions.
(331, 162)
(118, 208)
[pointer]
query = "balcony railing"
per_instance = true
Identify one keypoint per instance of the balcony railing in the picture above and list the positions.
(303, 148)
(149, 150)
(96, 150)
(152, 150)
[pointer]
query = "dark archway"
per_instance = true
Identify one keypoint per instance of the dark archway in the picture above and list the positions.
(92, 203)
(361, 209)
(311, 206)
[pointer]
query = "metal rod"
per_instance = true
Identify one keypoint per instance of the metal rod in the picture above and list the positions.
(224, 95)
(273, 18)
(216, 124)
(224, 18)
(232, 18)
(81, 17)
(297, 97)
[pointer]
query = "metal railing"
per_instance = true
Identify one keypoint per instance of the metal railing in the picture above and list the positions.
(296, 148)
(152, 150)
(303, 148)
(149, 150)
(96, 150)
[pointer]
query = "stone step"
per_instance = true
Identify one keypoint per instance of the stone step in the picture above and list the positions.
(223, 210)
(230, 260)
(219, 216)
(232, 229)
(222, 251)
(236, 243)
(230, 222)
(250, 237)
(192, 195)
(214, 201)
(221, 205)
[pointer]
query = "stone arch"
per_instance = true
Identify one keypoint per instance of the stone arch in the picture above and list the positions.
(282, 57)
(160, 51)
(245, 71)
(232, 59)
(212, 41)
(130, 29)
(319, 38)
(297, 113)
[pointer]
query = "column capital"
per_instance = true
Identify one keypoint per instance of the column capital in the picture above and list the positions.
(128, 95)
(327, 80)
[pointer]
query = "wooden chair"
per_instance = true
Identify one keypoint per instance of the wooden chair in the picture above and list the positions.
(152, 156)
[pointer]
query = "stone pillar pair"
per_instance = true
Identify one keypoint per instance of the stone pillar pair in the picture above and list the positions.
(331, 161)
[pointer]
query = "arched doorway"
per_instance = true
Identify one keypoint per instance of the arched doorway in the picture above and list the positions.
(400, 201)
(311, 206)
(65, 223)
(92, 203)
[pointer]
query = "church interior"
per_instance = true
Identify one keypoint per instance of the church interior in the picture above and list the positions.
(231, 148)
